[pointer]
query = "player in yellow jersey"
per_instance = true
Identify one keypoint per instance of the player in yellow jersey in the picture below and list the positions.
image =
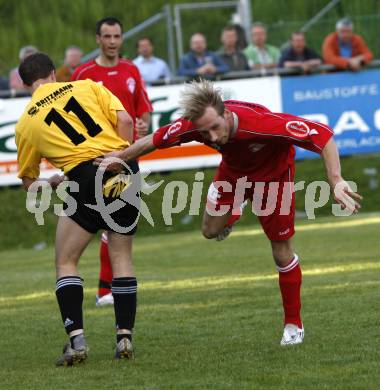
(70, 124)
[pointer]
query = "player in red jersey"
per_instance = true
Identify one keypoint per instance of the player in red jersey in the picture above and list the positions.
(123, 79)
(117, 74)
(256, 147)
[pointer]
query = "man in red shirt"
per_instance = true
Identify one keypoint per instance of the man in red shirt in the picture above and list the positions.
(257, 156)
(123, 79)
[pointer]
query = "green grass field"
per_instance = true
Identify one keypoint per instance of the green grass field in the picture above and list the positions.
(209, 314)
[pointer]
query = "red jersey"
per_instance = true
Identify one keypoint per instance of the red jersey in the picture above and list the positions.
(261, 142)
(123, 80)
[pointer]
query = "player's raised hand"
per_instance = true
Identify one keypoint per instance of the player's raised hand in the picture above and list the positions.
(346, 197)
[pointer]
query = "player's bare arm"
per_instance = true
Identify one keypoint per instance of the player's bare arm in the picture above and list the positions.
(343, 193)
(139, 148)
(124, 126)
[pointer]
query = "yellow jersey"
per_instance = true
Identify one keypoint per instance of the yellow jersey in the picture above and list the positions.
(67, 123)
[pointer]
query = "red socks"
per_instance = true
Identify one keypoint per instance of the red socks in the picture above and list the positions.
(105, 276)
(290, 280)
(232, 219)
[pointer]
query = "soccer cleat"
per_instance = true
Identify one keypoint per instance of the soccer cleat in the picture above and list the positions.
(76, 355)
(124, 349)
(105, 300)
(230, 223)
(292, 335)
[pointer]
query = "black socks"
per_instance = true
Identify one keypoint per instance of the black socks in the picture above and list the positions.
(69, 292)
(124, 291)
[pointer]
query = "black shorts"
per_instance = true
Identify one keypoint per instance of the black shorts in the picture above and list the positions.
(112, 187)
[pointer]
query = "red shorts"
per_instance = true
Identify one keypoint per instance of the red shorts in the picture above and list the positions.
(273, 202)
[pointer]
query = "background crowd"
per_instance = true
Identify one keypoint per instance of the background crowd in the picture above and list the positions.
(342, 48)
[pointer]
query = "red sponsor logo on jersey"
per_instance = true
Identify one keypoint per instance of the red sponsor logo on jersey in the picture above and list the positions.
(298, 129)
(131, 84)
(176, 126)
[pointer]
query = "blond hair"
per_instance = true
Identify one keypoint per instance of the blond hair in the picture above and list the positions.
(197, 96)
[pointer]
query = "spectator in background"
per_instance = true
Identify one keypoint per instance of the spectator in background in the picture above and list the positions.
(150, 67)
(229, 53)
(298, 55)
(73, 56)
(344, 49)
(15, 81)
(199, 61)
(242, 40)
(259, 53)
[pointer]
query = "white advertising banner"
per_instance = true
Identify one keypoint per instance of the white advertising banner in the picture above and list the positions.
(266, 91)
